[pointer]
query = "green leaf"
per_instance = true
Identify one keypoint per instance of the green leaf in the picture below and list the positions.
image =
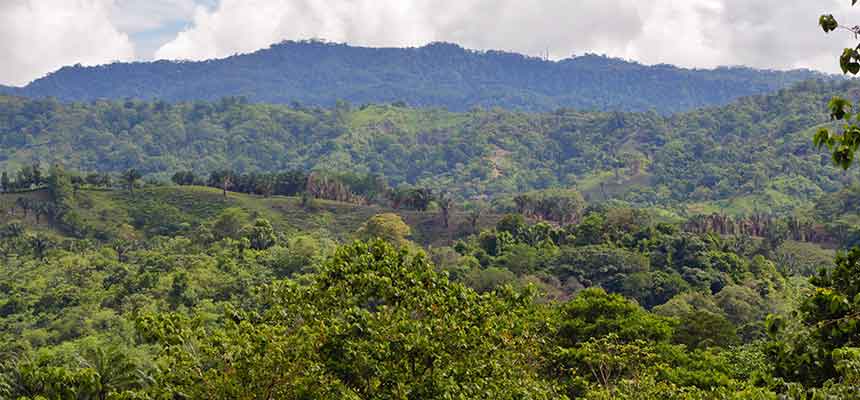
(828, 23)
(821, 138)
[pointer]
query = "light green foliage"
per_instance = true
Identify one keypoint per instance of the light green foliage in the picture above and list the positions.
(799, 258)
(228, 224)
(354, 332)
(595, 313)
(260, 234)
(389, 227)
(188, 282)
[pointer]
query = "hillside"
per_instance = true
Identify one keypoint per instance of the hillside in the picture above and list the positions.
(437, 75)
(754, 155)
(174, 210)
(251, 291)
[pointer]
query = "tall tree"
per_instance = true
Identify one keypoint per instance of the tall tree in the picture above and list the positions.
(4, 181)
(445, 203)
(130, 177)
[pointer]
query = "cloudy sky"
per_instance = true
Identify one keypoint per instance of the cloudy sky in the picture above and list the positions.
(39, 36)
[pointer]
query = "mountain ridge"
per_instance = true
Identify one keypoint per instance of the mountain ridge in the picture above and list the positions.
(435, 75)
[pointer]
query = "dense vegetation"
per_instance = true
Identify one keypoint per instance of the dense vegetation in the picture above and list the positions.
(437, 75)
(231, 250)
(753, 156)
(198, 295)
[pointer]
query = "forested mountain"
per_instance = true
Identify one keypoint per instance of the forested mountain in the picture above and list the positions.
(437, 75)
(751, 156)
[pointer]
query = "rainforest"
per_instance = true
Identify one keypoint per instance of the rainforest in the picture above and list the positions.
(317, 220)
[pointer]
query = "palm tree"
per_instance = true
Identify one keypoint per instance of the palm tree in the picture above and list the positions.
(116, 371)
(226, 182)
(40, 246)
(130, 177)
(445, 204)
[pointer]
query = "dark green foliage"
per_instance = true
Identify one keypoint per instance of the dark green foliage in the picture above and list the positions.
(354, 331)
(751, 157)
(595, 313)
(705, 329)
(199, 308)
(437, 75)
(829, 316)
(842, 144)
(260, 234)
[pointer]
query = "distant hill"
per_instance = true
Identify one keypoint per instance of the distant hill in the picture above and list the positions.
(437, 75)
(753, 155)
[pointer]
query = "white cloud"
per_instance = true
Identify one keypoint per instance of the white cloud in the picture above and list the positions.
(530, 26)
(39, 36)
(132, 16)
(699, 33)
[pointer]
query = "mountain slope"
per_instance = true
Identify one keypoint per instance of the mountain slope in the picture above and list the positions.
(754, 155)
(437, 75)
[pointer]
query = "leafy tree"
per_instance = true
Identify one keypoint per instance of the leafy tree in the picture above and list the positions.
(389, 227)
(59, 186)
(842, 145)
(445, 204)
(260, 234)
(229, 223)
(829, 316)
(697, 329)
(353, 332)
(184, 178)
(593, 313)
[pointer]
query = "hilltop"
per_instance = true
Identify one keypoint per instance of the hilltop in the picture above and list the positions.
(437, 75)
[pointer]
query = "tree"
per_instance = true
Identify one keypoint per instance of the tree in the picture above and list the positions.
(59, 185)
(593, 313)
(702, 328)
(261, 235)
(445, 204)
(374, 323)
(184, 178)
(4, 181)
(842, 145)
(475, 210)
(559, 205)
(115, 370)
(130, 177)
(389, 227)
(37, 173)
(40, 245)
(229, 223)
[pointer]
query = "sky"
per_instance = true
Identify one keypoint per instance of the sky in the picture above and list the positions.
(40, 36)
